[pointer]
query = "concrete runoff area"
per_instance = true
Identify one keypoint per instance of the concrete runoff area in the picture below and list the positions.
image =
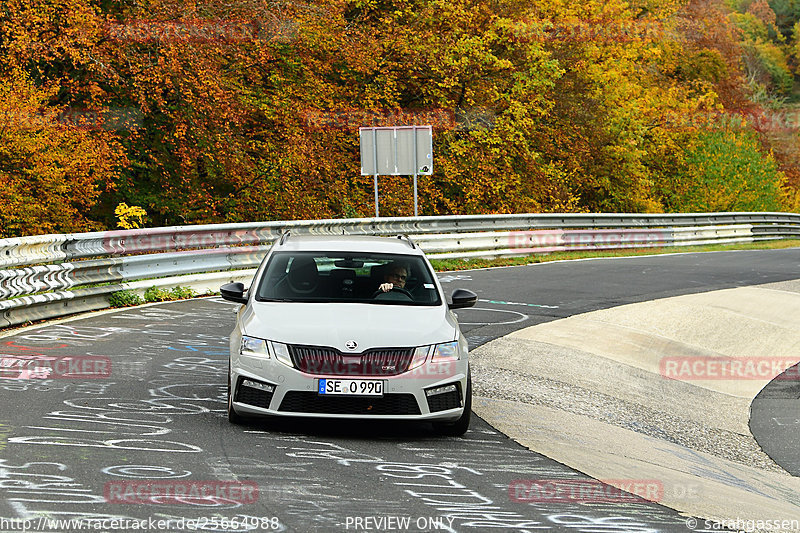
(659, 390)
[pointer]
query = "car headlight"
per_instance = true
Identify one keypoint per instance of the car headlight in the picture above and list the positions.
(281, 353)
(444, 352)
(440, 353)
(254, 347)
(420, 355)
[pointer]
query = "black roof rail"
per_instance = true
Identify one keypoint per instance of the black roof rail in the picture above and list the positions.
(284, 236)
(410, 242)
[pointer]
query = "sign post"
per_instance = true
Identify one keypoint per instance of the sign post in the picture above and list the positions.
(396, 151)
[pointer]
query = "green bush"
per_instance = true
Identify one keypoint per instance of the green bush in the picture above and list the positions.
(181, 293)
(124, 298)
(155, 294)
(725, 170)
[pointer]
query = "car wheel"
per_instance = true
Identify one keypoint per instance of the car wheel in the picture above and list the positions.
(233, 416)
(460, 426)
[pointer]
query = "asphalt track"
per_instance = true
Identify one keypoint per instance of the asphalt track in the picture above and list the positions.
(73, 447)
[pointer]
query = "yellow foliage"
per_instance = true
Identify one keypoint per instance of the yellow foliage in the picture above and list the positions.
(129, 216)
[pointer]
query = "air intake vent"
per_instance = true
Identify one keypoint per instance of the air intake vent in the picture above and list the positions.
(311, 402)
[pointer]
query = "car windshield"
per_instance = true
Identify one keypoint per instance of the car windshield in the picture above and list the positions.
(348, 277)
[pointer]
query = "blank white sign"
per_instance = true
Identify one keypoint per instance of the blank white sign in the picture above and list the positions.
(396, 151)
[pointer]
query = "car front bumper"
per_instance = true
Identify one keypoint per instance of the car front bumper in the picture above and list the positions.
(268, 387)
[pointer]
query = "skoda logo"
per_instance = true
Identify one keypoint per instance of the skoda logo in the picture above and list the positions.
(351, 345)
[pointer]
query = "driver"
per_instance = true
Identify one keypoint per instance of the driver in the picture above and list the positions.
(395, 276)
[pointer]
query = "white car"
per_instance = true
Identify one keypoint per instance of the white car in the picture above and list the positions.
(350, 326)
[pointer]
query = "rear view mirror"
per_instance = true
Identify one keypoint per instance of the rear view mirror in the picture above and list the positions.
(348, 263)
(233, 292)
(463, 298)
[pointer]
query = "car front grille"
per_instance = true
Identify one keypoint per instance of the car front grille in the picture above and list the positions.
(321, 360)
(311, 402)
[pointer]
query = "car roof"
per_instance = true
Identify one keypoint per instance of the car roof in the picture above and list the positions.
(348, 243)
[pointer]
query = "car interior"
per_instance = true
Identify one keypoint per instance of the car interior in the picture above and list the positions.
(303, 276)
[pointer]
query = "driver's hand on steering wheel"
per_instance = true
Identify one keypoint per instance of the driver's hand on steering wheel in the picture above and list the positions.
(385, 287)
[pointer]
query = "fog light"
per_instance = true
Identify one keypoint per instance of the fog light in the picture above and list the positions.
(257, 385)
(440, 390)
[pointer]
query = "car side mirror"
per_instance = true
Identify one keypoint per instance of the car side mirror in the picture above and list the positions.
(463, 298)
(233, 292)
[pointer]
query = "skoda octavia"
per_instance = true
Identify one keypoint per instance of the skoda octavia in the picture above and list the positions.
(350, 326)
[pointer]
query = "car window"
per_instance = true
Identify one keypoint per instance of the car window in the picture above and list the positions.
(346, 277)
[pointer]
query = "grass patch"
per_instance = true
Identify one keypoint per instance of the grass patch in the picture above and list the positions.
(444, 265)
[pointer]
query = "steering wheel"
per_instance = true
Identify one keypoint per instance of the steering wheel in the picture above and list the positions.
(399, 290)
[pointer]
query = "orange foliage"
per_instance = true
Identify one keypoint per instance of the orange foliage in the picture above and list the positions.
(547, 106)
(51, 173)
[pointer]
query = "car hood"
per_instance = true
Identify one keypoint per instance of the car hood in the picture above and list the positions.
(369, 325)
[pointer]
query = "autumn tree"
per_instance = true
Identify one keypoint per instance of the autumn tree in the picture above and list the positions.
(52, 164)
(216, 111)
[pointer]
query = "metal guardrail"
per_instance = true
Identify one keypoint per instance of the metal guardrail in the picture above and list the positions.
(49, 276)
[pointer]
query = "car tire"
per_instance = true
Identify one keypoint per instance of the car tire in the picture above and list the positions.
(233, 416)
(460, 426)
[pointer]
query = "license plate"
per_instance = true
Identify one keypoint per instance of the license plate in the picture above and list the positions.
(351, 387)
